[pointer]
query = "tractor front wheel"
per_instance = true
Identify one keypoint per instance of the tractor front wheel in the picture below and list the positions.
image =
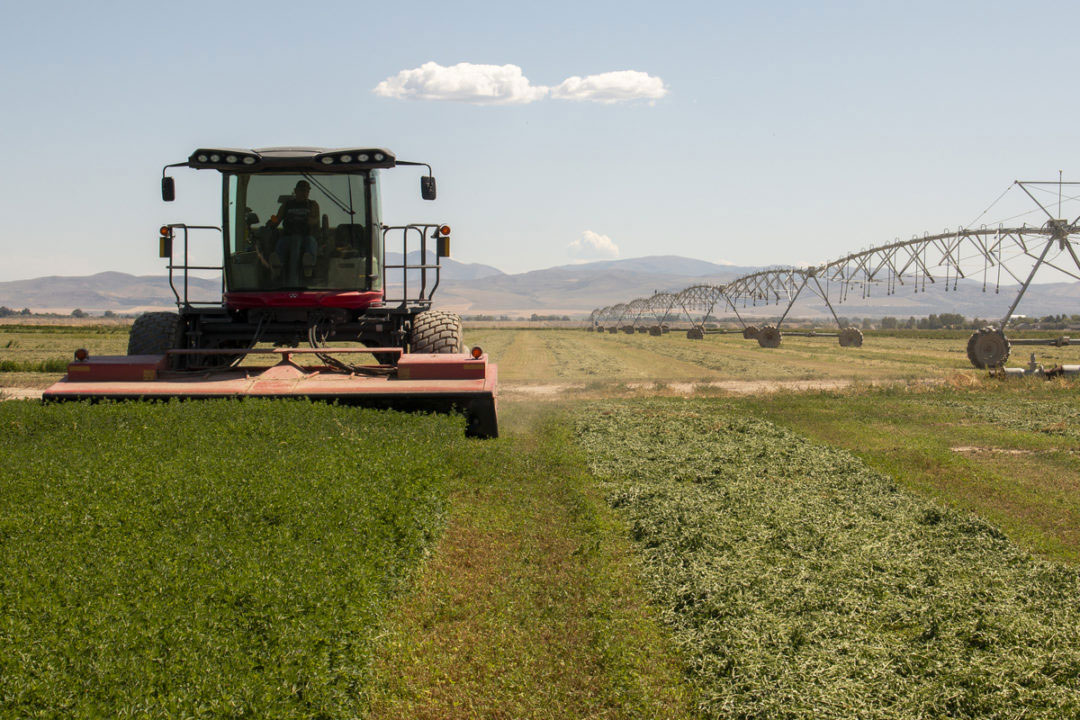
(436, 331)
(155, 333)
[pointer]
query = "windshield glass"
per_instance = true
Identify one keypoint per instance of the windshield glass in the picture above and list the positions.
(299, 231)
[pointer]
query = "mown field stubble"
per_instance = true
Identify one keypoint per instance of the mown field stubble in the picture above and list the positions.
(740, 551)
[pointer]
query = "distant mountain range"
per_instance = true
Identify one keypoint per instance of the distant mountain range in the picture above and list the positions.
(473, 288)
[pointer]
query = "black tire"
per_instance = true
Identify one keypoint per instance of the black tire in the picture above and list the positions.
(155, 333)
(851, 337)
(769, 337)
(436, 331)
(988, 348)
(695, 333)
(750, 332)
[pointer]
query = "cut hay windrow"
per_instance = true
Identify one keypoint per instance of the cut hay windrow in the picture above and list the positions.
(801, 584)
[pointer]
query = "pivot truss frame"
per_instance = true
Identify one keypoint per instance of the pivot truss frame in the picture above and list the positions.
(990, 255)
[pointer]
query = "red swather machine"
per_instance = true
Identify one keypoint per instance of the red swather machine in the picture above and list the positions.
(315, 272)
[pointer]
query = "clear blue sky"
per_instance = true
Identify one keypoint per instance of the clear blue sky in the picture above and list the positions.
(784, 132)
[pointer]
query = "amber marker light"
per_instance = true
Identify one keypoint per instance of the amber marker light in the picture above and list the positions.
(477, 351)
(82, 354)
(165, 231)
(444, 230)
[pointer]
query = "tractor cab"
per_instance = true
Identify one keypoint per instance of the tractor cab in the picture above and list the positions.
(301, 232)
(303, 225)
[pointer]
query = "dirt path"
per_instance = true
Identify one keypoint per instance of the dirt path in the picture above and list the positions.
(20, 393)
(558, 390)
(734, 387)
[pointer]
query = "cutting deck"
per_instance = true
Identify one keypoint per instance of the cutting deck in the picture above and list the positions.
(442, 382)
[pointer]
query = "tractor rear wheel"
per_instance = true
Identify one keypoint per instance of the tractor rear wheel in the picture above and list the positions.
(988, 348)
(436, 331)
(155, 333)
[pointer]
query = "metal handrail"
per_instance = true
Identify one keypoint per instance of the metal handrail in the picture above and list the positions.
(424, 295)
(187, 266)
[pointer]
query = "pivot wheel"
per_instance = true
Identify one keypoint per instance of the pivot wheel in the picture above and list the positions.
(436, 331)
(851, 337)
(695, 333)
(750, 332)
(769, 337)
(655, 331)
(988, 348)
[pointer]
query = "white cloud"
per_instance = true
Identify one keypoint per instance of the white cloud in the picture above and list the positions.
(611, 87)
(507, 85)
(464, 82)
(593, 246)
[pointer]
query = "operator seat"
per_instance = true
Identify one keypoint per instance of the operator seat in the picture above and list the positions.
(348, 255)
(349, 240)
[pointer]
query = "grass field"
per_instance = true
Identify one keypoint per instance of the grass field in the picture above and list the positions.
(902, 543)
(202, 559)
(37, 355)
(573, 356)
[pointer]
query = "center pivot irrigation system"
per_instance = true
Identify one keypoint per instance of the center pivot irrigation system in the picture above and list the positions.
(991, 255)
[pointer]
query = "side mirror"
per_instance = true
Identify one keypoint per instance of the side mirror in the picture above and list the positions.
(168, 189)
(427, 187)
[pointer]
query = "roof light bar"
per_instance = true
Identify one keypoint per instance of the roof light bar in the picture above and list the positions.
(222, 157)
(286, 159)
(358, 157)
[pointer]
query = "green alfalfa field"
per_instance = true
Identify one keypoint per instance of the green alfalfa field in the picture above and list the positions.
(900, 543)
